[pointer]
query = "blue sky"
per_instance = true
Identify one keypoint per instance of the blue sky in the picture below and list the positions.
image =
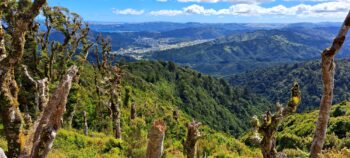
(209, 11)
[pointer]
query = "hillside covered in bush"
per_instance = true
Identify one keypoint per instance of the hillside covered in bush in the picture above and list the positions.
(295, 133)
(157, 90)
(252, 50)
(271, 82)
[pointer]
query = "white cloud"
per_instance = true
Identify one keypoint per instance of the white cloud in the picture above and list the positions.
(128, 11)
(166, 12)
(197, 9)
(162, 0)
(229, 1)
(325, 9)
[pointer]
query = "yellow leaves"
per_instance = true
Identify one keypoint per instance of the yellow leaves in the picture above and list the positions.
(296, 100)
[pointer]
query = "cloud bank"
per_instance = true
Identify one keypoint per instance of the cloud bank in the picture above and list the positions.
(328, 9)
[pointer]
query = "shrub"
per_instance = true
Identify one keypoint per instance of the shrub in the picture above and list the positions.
(332, 141)
(338, 111)
(290, 141)
(111, 144)
(340, 127)
(296, 153)
(335, 153)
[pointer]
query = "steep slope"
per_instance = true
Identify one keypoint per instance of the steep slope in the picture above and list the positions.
(252, 50)
(157, 89)
(212, 101)
(272, 82)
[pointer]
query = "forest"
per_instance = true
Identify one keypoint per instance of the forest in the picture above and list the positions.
(63, 93)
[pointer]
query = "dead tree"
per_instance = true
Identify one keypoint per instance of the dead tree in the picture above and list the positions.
(40, 138)
(328, 70)
(155, 140)
(270, 122)
(193, 135)
(86, 127)
(133, 111)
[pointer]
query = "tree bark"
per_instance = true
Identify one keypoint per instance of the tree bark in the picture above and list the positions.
(86, 127)
(116, 119)
(115, 101)
(193, 135)
(2, 154)
(328, 70)
(10, 112)
(156, 139)
(40, 138)
(133, 111)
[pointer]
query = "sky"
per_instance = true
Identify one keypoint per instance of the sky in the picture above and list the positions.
(208, 11)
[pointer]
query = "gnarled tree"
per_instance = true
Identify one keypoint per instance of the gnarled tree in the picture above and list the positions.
(16, 40)
(328, 70)
(109, 82)
(18, 16)
(270, 122)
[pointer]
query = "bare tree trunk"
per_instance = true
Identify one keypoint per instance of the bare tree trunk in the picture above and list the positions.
(193, 135)
(328, 70)
(40, 138)
(86, 127)
(133, 111)
(2, 154)
(116, 119)
(70, 117)
(155, 140)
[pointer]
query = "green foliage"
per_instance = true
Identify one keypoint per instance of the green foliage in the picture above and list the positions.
(271, 82)
(157, 92)
(249, 51)
(76, 145)
(296, 153)
(339, 111)
(296, 131)
(212, 101)
(290, 141)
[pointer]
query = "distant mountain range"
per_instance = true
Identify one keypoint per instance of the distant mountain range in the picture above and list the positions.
(169, 26)
(251, 50)
(232, 48)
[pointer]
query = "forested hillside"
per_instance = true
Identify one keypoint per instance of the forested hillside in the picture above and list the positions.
(270, 82)
(156, 90)
(248, 51)
(65, 92)
(213, 101)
